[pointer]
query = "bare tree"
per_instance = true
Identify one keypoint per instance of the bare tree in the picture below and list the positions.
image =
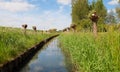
(64, 30)
(25, 27)
(94, 19)
(68, 28)
(73, 27)
(34, 28)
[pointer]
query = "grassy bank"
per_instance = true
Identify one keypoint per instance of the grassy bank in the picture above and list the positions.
(14, 42)
(93, 55)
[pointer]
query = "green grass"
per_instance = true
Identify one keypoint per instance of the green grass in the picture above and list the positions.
(14, 42)
(89, 54)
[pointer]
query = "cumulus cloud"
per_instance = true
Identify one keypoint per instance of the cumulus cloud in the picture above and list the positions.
(114, 11)
(64, 2)
(46, 20)
(18, 0)
(113, 2)
(16, 6)
(55, 19)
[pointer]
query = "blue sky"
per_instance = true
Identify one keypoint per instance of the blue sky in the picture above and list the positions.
(45, 14)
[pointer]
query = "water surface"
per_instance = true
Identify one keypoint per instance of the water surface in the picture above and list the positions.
(49, 59)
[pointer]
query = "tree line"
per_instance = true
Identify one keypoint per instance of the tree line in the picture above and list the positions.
(82, 10)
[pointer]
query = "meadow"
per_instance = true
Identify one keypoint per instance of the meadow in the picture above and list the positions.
(14, 42)
(89, 54)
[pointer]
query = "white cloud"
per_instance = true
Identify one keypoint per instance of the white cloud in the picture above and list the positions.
(18, 0)
(55, 19)
(114, 11)
(64, 2)
(44, 21)
(113, 2)
(16, 6)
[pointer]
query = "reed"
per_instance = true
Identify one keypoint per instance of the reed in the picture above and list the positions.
(89, 54)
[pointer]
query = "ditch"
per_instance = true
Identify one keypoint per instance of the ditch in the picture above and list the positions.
(49, 59)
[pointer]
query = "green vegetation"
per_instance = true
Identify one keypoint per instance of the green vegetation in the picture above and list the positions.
(14, 42)
(89, 54)
(82, 11)
(118, 9)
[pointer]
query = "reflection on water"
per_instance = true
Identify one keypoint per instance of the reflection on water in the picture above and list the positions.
(50, 59)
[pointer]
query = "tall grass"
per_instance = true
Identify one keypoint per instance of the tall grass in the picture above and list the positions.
(14, 42)
(89, 54)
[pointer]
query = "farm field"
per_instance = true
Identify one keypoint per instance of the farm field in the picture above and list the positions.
(13, 42)
(89, 54)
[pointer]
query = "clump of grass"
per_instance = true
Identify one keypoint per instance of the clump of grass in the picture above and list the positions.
(13, 42)
(91, 54)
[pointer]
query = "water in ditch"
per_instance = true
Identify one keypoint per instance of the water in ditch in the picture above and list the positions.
(49, 59)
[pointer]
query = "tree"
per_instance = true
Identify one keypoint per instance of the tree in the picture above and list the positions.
(25, 27)
(101, 10)
(92, 5)
(52, 30)
(94, 18)
(110, 18)
(118, 9)
(80, 9)
(34, 28)
(118, 12)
